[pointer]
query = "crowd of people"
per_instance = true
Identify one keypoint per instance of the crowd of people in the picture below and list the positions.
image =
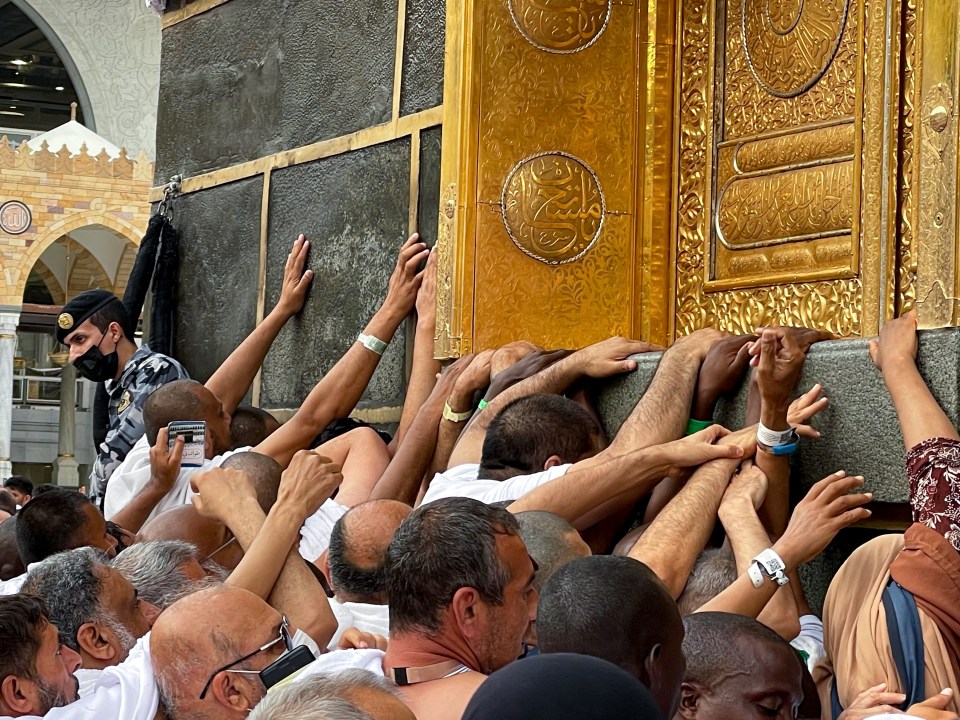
(502, 555)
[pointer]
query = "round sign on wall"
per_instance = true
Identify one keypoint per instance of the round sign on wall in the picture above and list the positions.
(14, 217)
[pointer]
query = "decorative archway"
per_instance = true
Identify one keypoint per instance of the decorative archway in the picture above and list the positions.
(50, 280)
(63, 227)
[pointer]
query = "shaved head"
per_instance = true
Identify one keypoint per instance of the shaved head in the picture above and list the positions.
(185, 523)
(263, 471)
(199, 634)
(358, 549)
(174, 401)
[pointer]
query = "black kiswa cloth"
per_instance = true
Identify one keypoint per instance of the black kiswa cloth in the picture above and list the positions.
(165, 279)
(562, 685)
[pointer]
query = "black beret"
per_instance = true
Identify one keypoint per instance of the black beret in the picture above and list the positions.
(84, 305)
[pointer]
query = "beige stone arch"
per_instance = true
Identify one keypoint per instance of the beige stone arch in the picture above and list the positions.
(64, 227)
(50, 280)
(86, 273)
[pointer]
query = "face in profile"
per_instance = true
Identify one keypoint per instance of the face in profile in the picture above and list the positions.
(502, 635)
(55, 684)
(768, 686)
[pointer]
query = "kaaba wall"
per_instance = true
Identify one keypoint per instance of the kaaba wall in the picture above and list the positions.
(313, 116)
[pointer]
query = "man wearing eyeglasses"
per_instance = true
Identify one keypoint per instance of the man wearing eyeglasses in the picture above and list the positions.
(208, 651)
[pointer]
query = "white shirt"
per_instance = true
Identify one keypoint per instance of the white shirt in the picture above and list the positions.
(316, 531)
(461, 481)
(13, 585)
(363, 616)
(335, 662)
(127, 691)
(132, 476)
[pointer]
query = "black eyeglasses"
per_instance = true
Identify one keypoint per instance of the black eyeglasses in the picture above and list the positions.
(284, 638)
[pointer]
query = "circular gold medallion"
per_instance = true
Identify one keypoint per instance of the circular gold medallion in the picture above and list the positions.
(791, 43)
(553, 207)
(65, 321)
(560, 26)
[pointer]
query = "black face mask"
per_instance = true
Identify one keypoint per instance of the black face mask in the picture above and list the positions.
(94, 365)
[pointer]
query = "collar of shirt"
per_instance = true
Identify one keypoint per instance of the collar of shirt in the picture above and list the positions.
(130, 369)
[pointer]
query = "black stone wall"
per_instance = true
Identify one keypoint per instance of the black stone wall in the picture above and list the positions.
(248, 79)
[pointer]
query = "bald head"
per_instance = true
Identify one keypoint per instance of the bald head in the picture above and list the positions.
(263, 471)
(185, 523)
(175, 401)
(358, 549)
(199, 634)
(551, 541)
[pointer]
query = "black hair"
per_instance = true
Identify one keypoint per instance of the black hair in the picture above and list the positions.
(113, 312)
(442, 547)
(49, 524)
(19, 483)
(523, 436)
(22, 621)
(614, 608)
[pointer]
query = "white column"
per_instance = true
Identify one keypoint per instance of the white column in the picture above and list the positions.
(8, 348)
(65, 471)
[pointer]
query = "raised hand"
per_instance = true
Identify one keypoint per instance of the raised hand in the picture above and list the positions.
(427, 297)
(296, 281)
(803, 337)
(612, 356)
(779, 360)
(218, 491)
(699, 342)
(530, 365)
(510, 354)
(804, 408)
(696, 449)
(897, 342)
(476, 376)
(308, 482)
(356, 639)
(722, 370)
(165, 461)
(826, 510)
(406, 279)
(749, 485)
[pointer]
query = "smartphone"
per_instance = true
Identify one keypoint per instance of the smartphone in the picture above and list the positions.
(287, 665)
(194, 434)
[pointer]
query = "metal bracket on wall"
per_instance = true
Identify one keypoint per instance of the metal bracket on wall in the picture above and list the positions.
(170, 191)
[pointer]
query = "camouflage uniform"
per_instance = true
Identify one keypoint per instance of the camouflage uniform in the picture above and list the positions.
(145, 372)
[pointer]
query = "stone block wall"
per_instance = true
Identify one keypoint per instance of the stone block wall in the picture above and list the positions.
(289, 117)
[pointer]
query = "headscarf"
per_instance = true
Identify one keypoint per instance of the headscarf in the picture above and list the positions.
(562, 685)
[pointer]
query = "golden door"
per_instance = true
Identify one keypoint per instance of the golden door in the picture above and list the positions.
(651, 169)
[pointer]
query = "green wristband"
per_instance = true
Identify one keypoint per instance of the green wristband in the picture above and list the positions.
(695, 426)
(481, 405)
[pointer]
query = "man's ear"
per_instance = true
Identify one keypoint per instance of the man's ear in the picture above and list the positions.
(231, 691)
(323, 562)
(466, 609)
(651, 667)
(17, 696)
(689, 699)
(95, 643)
(552, 462)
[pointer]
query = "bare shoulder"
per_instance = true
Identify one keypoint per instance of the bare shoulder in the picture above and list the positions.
(444, 699)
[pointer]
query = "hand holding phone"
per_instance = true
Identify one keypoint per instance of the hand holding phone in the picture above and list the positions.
(194, 434)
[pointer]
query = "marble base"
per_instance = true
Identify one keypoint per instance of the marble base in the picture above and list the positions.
(66, 473)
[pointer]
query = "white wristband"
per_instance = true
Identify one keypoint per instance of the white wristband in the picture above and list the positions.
(771, 565)
(374, 344)
(775, 438)
(756, 576)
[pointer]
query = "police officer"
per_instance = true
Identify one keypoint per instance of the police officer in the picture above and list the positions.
(99, 334)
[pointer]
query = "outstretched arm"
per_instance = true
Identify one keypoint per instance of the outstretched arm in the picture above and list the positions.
(895, 355)
(340, 389)
(233, 378)
(748, 538)
(271, 566)
(826, 509)
(423, 373)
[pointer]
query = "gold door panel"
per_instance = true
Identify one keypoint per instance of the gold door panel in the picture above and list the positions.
(784, 165)
(543, 171)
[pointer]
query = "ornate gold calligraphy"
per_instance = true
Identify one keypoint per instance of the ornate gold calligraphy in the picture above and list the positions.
(560, 26)
(791, 43)
(784, 207)
(553, 207)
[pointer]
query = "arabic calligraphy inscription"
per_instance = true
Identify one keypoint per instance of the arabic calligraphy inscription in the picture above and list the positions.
(553, 207)
(560, 26)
